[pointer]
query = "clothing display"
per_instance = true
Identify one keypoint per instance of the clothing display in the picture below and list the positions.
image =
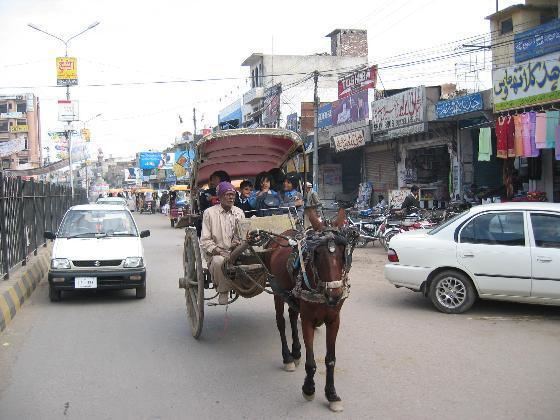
(540, 131)
(526, 134)
(505, 132)
(518, 135)
(557, 145)
(533, 152)
(484, 144)
(552, 119)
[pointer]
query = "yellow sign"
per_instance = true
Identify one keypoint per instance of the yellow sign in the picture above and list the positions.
(86, 134)
(19, 128)
(66, 71)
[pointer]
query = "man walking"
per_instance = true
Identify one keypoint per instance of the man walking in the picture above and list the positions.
(218, 236)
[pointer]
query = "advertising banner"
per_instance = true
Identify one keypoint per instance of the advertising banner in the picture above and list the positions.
(68, 110)
(351, 109)
(166, 160)
(183, 163)
(461, 105)
(527, 84)
(19, 128)
(66, 71)
(292, 122)
(231, 116)
(535, 42)
(348, 141)
(398, 111)
(149, 160)
(271, 107)
(325, 116)
(357, 81)
(14, 114)
(10, 147)
(86, 134)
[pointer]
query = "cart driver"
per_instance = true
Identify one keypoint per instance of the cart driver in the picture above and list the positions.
(218, 236)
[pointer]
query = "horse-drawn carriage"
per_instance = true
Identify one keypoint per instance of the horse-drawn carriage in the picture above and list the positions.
(305, 267)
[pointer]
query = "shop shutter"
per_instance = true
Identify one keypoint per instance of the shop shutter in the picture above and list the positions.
(381, 171)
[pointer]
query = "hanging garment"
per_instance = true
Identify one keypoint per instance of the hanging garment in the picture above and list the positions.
(510, 137)
(540, 131)
(534, 152)
(526, 134)
(552, 119)
(557, 146)
(501, 137)
(484, 144)
(518, 136)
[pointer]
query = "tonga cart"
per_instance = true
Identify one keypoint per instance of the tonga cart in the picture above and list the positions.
(242, 153)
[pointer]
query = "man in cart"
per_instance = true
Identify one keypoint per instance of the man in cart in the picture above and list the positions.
(218, 236)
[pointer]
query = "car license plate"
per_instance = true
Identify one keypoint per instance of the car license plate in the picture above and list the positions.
(85, 283)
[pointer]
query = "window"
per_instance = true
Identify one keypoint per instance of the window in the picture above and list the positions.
(4, 126)
(506, 26)
(23, 161)
(546, 230)
(10, 106)
(495, 229)
(3, 108)
(21, 107)
(21, 122)
(5, 163)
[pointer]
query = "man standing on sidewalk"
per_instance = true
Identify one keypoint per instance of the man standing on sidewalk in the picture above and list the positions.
(218, 236)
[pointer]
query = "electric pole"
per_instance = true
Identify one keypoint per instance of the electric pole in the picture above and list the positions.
(194, 122)
(316, 134)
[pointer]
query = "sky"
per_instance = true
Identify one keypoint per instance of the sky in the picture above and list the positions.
(138, 43)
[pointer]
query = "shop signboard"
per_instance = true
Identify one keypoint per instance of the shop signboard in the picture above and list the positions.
(458, 106)
(66, 71)
(149, 160)
(271, 107)
(399, 111)
(348, 141)
(527, 84)
(24, 128)
(325, 116)
(351, 108)
(360, 80)
(68, 110)
(544, 39)
(292, 122)
(14, 114)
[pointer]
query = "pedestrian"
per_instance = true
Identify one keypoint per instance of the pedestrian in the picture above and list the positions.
(411, 203)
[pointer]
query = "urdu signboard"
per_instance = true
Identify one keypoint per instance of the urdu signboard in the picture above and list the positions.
(66, 71)
(357, 81)
(400, 114)
(348, 141)
(544, 39)
(460, 105)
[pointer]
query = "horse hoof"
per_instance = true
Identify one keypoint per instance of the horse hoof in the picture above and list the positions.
(297, 362)
(336, 406)
(290, 367)
(308, 397)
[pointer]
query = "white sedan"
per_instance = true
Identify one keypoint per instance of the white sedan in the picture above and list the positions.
(508, 251)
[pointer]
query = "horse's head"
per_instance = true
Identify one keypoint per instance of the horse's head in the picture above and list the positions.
(330, 257)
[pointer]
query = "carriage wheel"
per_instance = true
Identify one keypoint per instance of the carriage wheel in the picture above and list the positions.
(194, 281)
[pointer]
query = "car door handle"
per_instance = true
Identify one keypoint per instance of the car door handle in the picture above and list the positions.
(467, 255)
(544, 259)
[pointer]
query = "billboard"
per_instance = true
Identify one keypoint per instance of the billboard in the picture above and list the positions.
(183, 163)
(351, 109)
(357, 81)
(231, 116)
(149, 160)
(399, 111)
(271, 107)
(66, 71)
(325, 116)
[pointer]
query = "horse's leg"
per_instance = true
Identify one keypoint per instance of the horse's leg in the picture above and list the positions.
(335, 402)
(289, 365)
(308, 331)
(296, 345)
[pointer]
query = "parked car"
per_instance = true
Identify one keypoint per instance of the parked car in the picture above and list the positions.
(97, 247)
(508, 251)
(112, 200)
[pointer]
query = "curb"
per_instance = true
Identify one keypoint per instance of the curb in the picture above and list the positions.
(23, 282)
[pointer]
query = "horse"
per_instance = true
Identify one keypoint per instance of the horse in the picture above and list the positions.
(316, 289)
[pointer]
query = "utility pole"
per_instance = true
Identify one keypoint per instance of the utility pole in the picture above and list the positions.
(316, 134)
(194, 122)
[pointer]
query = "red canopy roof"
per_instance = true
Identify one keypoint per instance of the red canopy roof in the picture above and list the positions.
(244, 152)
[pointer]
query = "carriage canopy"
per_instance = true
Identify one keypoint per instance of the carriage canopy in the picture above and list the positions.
(244, 152)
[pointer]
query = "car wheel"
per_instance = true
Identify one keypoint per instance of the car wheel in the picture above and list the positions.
(54, 295)
(141, 292)
(387, 238)
(452, 292)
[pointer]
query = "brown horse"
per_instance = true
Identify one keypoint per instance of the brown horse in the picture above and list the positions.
(320, 288)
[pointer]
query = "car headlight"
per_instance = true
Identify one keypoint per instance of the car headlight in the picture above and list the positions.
(60, 263)
(133, 262)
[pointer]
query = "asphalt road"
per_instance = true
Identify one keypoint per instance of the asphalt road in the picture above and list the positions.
(110, 356)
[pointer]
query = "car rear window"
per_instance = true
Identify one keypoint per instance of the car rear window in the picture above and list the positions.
(447, 223)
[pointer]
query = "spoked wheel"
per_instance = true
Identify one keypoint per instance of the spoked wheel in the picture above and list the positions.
(193, 281)
(387, 238)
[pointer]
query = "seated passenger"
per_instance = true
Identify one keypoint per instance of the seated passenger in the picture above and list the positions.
(291, 197)
(264, 199)
(242, 199)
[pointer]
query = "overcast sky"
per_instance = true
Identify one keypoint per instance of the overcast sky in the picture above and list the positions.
(168, 40)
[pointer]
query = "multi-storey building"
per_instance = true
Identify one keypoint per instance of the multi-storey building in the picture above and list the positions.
(20, 131)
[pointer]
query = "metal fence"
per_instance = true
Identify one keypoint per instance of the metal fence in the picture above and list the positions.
(27, 210)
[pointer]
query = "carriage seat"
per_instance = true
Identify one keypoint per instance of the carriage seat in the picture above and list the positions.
(276, 224)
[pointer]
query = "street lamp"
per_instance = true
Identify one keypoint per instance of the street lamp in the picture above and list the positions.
(66, 42)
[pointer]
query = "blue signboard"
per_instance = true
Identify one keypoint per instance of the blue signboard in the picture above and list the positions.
(325, 116)
(292, 122)
(150, 160)
(538, 41)
(461, 105)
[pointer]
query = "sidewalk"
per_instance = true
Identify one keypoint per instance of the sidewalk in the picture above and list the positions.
(22, 282)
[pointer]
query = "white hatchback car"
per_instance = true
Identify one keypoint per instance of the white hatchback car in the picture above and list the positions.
(97, 246)
(508, 251)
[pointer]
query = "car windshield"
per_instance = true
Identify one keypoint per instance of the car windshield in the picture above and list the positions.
(114, 201)
(447, 223)
(91, 223)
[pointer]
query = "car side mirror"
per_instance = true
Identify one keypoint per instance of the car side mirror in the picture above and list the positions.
(49, 235)
(144, 233)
